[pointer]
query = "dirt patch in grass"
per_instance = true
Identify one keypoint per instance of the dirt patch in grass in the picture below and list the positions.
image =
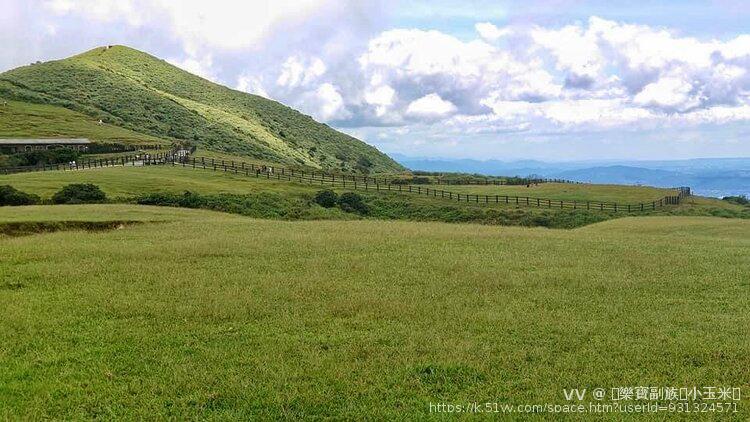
(27, 228)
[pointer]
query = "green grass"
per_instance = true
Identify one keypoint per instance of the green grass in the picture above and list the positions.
(201, 315)
(133, 90)
(264, 198)
(132, 181)
(571, 192)
(26, 120)
(128, 181)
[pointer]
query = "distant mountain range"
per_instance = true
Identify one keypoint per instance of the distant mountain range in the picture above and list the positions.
(715, 177)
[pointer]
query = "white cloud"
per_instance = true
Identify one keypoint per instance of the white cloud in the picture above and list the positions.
(491, 32)
(669, 92)
(297, 71)
(430, 106)
(330, 103)
(225, 24)
(202, 67)
(251, 85)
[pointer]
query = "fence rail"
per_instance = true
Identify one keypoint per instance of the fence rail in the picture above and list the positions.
(352, 182)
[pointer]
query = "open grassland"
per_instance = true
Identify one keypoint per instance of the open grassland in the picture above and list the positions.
(570, 192)
(132, 181)
(264, 198)
(123, 181)
(25, 120)
(196, 314)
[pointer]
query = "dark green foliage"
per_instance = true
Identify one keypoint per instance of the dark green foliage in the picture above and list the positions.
(739, 200)
(26, 228)
(411, 181)
(352, 202)
(79, 193)
(12, 196)
(41, 157)
(393, 207)
(262, 205)
(326, 198)
(364, 165)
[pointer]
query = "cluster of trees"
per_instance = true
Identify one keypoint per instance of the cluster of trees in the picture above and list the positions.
(40, 157)
(347, 201)
(739, 200)
(77, 193)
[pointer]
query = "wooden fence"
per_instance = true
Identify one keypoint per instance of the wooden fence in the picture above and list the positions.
(353, 182)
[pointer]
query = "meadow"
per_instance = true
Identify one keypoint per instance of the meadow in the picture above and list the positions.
(269, 198)
(128, 181)
(570, 191)
(202, 315)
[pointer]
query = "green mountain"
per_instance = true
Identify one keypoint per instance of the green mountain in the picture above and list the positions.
(148, 99)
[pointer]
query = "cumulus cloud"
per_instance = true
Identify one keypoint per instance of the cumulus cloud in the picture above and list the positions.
(490, 32)
(327, 102)
(430, 106)
(252, 85)
(203, 67)
(297, 71)
(225, 24)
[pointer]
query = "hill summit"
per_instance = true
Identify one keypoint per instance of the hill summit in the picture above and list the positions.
(142, 94)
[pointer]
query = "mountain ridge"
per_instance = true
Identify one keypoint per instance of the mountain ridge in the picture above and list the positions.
(133, 90)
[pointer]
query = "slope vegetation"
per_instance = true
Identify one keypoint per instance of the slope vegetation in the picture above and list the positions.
(133, 90)
(27, 120)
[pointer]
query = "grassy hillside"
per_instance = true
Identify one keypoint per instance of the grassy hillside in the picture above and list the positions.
(27, 120)
(136, 91)
(201, 315)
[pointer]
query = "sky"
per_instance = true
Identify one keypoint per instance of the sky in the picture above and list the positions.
(553, 80)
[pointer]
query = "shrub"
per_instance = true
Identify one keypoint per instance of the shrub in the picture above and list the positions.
(326, 198)
(352, 202)
(42, 157)
(12, 196)
(79, 193)
(411, 181)
(739, 200)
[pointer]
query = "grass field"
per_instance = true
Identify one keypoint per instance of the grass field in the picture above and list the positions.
(131, 181)
(571, 192)
(197, 314)
(119, 181)
(263, 198)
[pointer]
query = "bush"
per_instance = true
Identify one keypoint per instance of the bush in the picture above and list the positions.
(42, 157)
(326, 198)
(411, 181)
(12, 196)
(739, 200)
(352, 202)
(262, 205)
(79, 193)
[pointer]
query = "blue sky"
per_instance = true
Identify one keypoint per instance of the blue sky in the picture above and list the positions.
(550, 80)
